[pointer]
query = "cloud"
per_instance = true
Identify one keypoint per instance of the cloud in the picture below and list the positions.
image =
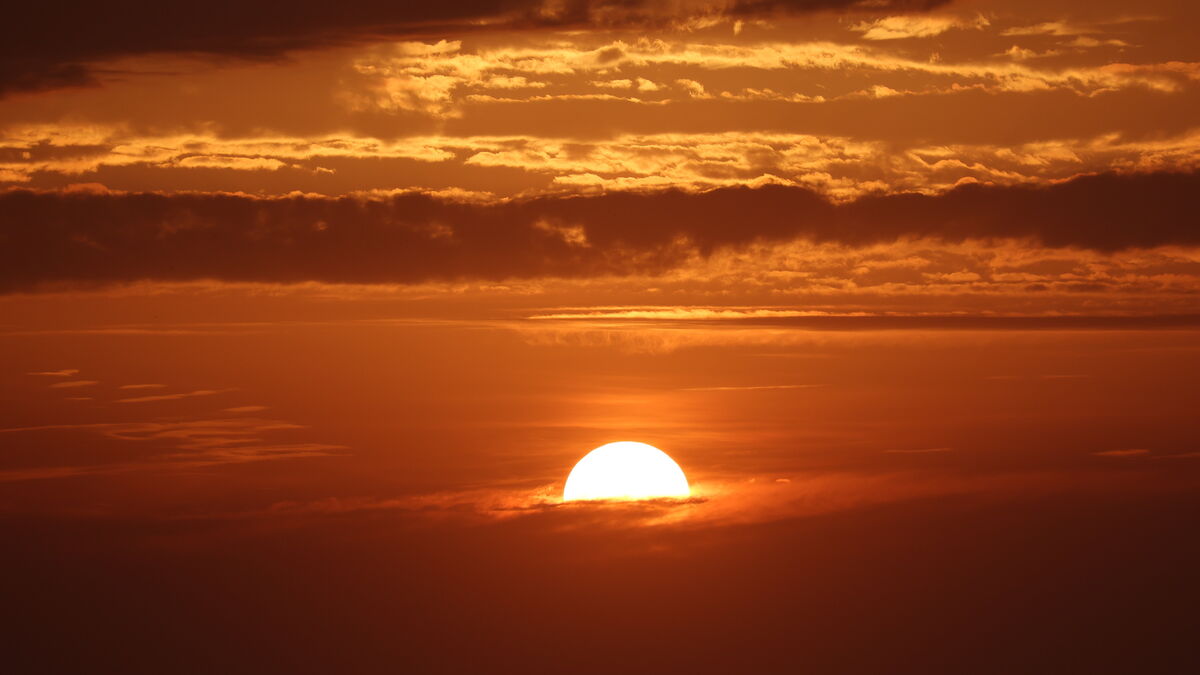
(246, 408)
(173, 397)
(815, 333)
(57, 373)
(89, 238)
(693, 88)
(724, 500)
(49, 46)
(236, 163)
(1039, 377)
(142, 386)
(1017, 279)
(1084, 42)
(760, 387)
(73, 384)
(679, 313)
(442, 85)
(72, 150)
(1055, 28)
(178, 444)
(1022, 54)
(839, 166)
(899, 27)
(1132, 452)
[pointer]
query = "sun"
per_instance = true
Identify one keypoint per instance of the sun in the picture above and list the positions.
(625, 470)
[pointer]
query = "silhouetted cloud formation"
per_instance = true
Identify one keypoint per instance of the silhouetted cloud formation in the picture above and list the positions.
(49, 45)
(90, 237)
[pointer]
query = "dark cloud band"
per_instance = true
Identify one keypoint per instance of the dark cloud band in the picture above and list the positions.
(49, 45)
(88, 238)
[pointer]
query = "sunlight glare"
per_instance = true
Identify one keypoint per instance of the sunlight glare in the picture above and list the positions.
(625, 470)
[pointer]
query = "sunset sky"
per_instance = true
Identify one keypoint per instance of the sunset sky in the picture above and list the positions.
(308, 309)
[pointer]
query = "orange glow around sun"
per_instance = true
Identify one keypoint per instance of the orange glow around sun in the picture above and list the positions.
(625, 470)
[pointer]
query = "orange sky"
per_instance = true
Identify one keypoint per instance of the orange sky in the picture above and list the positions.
(307, 311)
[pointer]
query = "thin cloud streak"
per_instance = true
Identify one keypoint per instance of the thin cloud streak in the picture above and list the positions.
(754, 387)
(73, 384)
(178, 444)
(687, 313)
(174, 397)
(1132, 452)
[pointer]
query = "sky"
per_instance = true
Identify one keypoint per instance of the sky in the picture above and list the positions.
(307, 311)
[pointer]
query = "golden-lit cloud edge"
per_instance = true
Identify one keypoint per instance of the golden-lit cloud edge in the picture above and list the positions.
(717, 502)
(53, 49)
(93, 237)
(841, 168)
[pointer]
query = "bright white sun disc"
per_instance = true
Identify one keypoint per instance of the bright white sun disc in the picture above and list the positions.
(625, 470)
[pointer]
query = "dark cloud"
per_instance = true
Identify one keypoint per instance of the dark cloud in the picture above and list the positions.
(90, 237)
(1105, 212)
(49, 45)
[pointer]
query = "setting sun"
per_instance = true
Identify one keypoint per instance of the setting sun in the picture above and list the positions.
(625, 470)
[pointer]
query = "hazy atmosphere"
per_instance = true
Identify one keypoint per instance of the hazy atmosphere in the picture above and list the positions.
(308, 311)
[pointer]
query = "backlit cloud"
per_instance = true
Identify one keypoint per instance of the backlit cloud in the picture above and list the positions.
(913, 26)
(440, 79)
(412, 237)
(838, 166)
(50, 48)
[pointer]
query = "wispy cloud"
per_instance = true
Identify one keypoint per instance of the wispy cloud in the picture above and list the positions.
(58, 373)
(674, 313)
(180, 444)
(142, 386)
(73, 384)
(746, 500)
(835, 165)
(1039, 377)
(1055, 28)
(914, 26)
(246, 408)
(753, 387)
(173, 397)
(1131, 452)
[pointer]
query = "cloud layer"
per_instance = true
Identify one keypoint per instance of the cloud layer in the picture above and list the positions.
(53, 46)
(101, 237)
